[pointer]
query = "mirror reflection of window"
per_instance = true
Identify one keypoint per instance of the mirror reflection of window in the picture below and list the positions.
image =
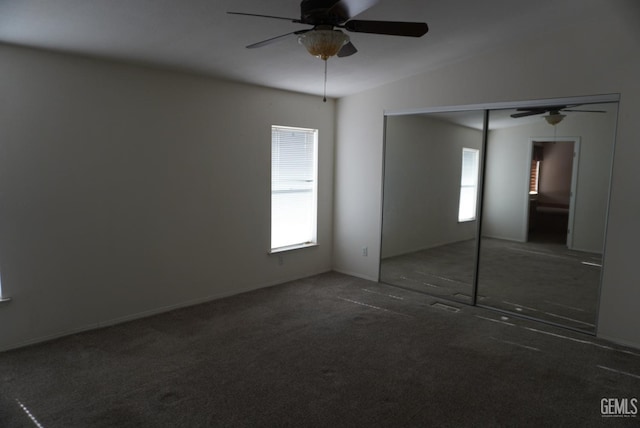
(468, 185)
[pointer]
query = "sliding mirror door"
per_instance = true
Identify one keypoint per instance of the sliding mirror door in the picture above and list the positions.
(431, 180)
(541, 183)
(546, 192)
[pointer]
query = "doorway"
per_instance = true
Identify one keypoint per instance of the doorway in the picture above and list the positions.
(552, 184)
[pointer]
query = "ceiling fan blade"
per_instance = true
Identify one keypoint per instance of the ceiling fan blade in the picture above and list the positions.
(543, 108)
(347, 9)
(347, 50)
(265, 16)
(588, 111)
(275, 39)
(527, 113)
(392, 28)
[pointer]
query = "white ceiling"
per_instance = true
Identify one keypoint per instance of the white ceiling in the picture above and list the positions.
(199, 36)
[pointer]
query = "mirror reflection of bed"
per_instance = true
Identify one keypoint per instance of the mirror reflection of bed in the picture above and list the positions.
(544, 205)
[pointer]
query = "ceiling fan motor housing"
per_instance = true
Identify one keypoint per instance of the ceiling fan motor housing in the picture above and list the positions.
(322, 12)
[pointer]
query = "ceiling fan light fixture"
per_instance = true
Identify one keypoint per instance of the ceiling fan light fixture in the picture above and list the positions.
(554, 118)
(323, 44)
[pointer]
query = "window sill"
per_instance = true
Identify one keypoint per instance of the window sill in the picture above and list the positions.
(467, 220)
(292, 247)
(5, 299)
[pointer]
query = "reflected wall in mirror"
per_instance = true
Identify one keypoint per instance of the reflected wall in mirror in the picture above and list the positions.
(429, 226)
(546, 192)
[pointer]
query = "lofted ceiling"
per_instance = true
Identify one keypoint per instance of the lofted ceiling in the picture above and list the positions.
(199, 36)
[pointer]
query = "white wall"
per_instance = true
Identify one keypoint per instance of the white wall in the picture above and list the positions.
(598, 56)
(423, 164)
(507, 177)
(126, 190)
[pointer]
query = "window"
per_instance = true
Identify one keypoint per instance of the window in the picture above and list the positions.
(468, 185)
(2, 298)
(534, 177)
(534, 170)
(294, 160)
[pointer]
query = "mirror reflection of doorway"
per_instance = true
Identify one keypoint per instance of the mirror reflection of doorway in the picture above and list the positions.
(552, 177)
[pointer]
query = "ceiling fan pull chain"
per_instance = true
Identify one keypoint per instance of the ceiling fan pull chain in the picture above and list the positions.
(324, 98)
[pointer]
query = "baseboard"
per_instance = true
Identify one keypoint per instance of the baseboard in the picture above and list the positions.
(435, 245)
(511, 239)
(152, 312)
(619, 341)
(356, 274)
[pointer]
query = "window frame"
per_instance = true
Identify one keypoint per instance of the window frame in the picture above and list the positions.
(311, 239)
(534, 177)
(474, 186)
(3, 298)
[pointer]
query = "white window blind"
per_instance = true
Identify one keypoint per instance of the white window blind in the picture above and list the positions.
(534, 177)
(468, 185)
(293, 186)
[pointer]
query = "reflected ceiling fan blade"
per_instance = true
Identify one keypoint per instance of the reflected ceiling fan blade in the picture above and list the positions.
(347, 9)
(275, 39)
(265, 16)
(543, 108)
(528, 113)
(347, 50)
(391, 28)
(588, 111)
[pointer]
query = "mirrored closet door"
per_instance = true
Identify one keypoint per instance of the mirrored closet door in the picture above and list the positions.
(533, 187)
(431, 177)
(544, 213)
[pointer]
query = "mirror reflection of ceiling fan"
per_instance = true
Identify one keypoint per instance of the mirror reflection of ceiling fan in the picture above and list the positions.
(555, 116)
(327, 18)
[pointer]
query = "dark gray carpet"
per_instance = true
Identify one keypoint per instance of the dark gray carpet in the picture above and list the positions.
(331, 350)
(544, 280)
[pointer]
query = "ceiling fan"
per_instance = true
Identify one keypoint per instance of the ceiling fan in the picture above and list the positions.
(555, 116)
(327, 18)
